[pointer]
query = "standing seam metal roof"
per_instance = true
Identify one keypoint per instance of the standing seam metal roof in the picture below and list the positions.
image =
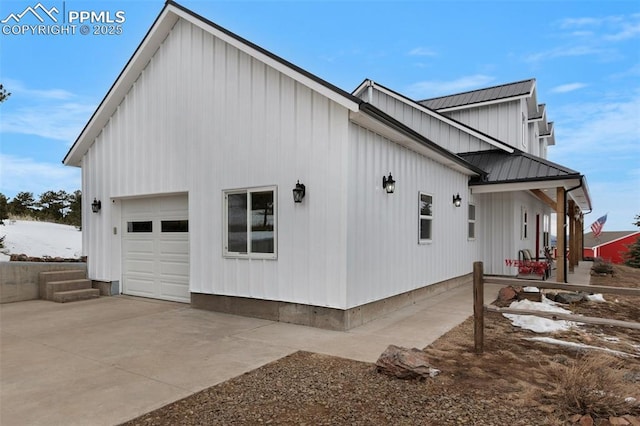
(502, 167)
(510, 90)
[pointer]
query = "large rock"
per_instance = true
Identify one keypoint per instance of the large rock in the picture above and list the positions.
(506, 294)
(405, 363)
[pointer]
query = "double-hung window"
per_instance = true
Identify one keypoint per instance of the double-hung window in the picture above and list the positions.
(426, 218)
(250, 226)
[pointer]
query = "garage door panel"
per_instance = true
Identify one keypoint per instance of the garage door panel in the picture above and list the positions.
(138, 266)
(141, 287)
(156, 263)
(174, 289)
(175, 269)
(174, 247)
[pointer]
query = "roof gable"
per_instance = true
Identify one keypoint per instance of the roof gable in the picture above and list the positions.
(160, 29)
(371, 85)
(501, 93)
(607, 237)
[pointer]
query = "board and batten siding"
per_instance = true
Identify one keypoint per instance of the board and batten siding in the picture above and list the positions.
(385, 257)
(204, 117)
(503, 121)
(499, 228)
(444, 134)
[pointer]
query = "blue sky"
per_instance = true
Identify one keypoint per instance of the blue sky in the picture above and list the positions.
(585, 56)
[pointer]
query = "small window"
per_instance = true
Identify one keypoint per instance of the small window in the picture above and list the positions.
(250, 223)
(174, 226)
(146, 226)
(472, 222)
(525, 224)
(426, 217)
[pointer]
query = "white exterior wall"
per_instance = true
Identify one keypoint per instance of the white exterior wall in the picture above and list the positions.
(384, 255)
(445, 135)
(503, 121)
(204, 117)
(500, 231)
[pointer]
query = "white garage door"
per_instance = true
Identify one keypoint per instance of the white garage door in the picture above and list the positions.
(155, 248)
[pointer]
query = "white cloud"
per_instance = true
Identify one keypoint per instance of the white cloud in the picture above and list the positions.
(424, 89)
(17, 88)
(422, 51)
(565, 88)
(61, 121)
(19, 174)
(48, 113)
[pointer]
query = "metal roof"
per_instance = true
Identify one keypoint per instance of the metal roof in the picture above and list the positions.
(502, 167)
(606, 237)
(504, 91)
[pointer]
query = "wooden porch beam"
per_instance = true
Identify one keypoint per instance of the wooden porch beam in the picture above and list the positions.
(545, 198)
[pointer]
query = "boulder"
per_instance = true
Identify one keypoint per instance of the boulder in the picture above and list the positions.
(569, 298)
(507, 294)
(405, 363)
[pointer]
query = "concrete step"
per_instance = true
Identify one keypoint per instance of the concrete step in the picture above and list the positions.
(58, 286)
(50, 276)
(75, 295)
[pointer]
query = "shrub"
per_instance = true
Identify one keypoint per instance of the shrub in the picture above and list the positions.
(593, 384)
(601, 266)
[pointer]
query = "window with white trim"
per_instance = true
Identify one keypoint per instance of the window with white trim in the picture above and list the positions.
(471, 234)
(250, 226)
(524, 234)
(426, 218)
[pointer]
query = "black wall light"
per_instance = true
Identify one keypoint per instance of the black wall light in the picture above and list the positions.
(388, 184)
(299, 192)
(457, 201)
(96, 206)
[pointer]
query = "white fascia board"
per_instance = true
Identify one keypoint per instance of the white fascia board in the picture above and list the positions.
(122, 85)
(438, 116)
(579, 195)
(403, 140)
(525, 186)
(270, 61)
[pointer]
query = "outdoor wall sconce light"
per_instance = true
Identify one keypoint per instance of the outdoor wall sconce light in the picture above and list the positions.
(96, 206)
(457, 201)
(388, 184)
(299, 192)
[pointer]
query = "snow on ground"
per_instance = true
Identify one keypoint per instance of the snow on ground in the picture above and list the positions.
(578, 346)
(538, 324)
(39, 239)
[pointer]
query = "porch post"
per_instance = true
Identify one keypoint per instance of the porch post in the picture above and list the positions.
(572, 236)
(561, 244)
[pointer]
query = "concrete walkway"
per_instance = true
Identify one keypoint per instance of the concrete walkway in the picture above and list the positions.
(108, 360)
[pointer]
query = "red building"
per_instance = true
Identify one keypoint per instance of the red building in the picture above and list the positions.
(609, 245)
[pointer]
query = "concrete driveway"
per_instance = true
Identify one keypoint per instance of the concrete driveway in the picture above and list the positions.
(108, 360)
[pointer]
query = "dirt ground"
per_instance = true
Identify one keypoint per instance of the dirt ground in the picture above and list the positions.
(515, 382)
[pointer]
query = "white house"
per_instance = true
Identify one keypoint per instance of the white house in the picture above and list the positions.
(193, 155)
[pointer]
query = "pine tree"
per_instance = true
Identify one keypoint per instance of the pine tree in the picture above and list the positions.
(4, 209)
(632, 256)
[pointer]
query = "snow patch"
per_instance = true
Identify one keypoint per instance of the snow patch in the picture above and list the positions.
(596, 298)
(538, 324)
(40, 239)
(558, 342)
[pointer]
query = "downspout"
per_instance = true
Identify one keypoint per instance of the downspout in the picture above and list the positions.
(564, 254)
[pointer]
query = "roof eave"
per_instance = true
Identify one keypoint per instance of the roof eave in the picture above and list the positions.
(406, 136)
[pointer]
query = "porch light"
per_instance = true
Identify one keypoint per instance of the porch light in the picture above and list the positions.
(388, 184)
(299, 192)
(457, 201)
(96, 206)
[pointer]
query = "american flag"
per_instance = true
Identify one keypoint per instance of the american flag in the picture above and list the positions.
(596, 227)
